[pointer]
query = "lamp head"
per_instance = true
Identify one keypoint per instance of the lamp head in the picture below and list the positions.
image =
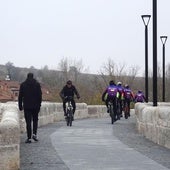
(146, 19)
(163, 39)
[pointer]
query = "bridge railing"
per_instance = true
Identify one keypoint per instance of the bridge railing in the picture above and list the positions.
(12, 123)
(9, 137)
(154, 122)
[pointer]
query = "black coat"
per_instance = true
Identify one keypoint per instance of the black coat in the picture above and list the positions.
(69, 92)
(30, 95)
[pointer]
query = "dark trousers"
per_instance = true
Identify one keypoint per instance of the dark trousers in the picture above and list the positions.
(73, 104)
(31, 115)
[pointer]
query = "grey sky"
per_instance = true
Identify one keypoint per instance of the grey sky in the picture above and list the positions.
(42, 32)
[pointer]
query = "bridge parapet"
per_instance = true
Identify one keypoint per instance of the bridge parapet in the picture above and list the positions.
(154, 122)
(9, 137)
(12, 123)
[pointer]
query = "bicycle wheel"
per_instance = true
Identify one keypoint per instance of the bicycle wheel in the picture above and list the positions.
(126, 110)
(112, 114)
(67, 120)
(118, 111)
(70, 117)
(71, 120)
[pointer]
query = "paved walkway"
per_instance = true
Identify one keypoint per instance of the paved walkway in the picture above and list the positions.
(93, 144)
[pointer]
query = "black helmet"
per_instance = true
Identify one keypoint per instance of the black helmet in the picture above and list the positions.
(111, 82)
(69, 82)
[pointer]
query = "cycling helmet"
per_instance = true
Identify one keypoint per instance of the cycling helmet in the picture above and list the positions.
(111, 82)
(126, 86)
(119, 83)
(69, 82)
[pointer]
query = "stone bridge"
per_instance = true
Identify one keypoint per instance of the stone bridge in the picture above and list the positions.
(152, 122)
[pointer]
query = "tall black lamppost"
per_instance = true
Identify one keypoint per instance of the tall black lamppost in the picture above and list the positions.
(163, 39)
(146, 19)
(154, 52)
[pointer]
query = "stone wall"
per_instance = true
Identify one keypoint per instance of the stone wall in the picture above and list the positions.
(9, 137)
(53, 112)
(154, 122)
(12, 123)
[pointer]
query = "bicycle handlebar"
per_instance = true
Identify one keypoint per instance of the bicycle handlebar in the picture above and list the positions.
(69, 97)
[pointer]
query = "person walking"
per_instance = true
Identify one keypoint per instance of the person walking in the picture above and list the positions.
(67, 93)
(29, 100)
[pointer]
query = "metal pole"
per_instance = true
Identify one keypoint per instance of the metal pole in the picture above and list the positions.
(163, 39)
(154, 52)
(146, 19)
(163, 76)
(146, 62)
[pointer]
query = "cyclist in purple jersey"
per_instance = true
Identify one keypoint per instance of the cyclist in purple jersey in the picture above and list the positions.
(128, 95)
(139, 97)
(111, 93)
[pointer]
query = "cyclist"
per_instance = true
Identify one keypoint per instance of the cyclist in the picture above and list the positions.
(111, 93)
(128, 95)
(121, 96)
(139, 97)
(67, 93)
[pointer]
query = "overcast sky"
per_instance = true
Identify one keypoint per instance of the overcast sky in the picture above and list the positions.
(42, 32)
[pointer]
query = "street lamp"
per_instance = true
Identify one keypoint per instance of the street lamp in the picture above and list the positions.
(146, 19)
(163, 39)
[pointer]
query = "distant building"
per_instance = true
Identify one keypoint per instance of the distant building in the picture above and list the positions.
(9, 91)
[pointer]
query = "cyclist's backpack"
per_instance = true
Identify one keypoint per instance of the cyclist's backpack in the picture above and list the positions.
(127, 94)
(139, 97)
(112, 91)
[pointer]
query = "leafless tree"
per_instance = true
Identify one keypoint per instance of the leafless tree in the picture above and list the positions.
(107, 72)
(70, 68)
(110, 70)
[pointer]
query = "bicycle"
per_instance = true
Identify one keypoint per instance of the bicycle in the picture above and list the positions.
(69, 112)
(126, 110)
(119, 109)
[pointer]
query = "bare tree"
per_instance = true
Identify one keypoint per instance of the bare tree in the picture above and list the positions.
(9, 67)
(70, 68)
(107, 72)
(118, 72)
(64, 67)
(132, 74)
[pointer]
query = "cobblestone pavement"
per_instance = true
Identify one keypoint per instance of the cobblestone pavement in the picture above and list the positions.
(42, 155)
(128, 135)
